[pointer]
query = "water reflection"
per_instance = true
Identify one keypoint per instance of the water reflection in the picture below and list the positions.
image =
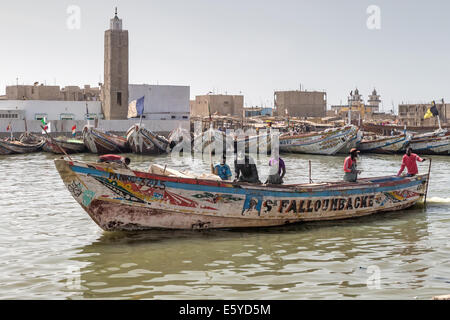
(272, 263)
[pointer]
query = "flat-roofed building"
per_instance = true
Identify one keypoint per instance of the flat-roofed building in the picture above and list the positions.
(301, 103)
(52, 93)
(162, 102)
(219, 104)
(413, 114)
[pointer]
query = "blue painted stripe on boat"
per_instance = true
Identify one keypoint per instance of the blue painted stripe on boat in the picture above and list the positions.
(315, 141)
(384, 146)
(280, 194)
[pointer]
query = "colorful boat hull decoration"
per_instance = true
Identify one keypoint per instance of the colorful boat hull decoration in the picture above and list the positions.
(17, 147)
(437, 143)
(385, 145)
(352, 143)
(328, 142)
(143, 141)
(122, 199)
(70, 146)
(100, 142)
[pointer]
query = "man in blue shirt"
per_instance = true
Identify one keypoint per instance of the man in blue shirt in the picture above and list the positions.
(223, 170)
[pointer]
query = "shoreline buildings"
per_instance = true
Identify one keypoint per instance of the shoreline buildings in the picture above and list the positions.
(300, 103)
(109, 102)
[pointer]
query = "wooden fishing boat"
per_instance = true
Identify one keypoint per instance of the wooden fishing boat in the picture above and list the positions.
(180, 139)
(437, 142)
(352, 143)
(70, 146)
(100, 142)
(208, 141)
(143, 141)
(18, 147)
(390, 145)
(117, 198)
(328, 142)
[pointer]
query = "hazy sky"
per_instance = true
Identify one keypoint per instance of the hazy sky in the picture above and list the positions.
(248, 46)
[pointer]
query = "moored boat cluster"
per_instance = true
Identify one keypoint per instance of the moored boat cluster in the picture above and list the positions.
(140, 140)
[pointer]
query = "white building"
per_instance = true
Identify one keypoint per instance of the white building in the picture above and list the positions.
(162, 102)
(51, 110)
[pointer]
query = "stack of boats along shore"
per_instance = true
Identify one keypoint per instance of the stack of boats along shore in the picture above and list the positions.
(140, 140)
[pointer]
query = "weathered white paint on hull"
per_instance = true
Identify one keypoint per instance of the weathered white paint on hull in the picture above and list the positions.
(328, 142)
(120, 199)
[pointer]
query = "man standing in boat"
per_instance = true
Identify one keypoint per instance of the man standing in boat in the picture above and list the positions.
(350, 167)
(410, 162)
(223, 170)
(277, 171)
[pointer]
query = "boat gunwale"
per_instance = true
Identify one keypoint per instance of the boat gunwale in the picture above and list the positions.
(294, 188)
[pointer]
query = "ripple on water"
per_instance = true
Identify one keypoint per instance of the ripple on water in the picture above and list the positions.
(52, 249)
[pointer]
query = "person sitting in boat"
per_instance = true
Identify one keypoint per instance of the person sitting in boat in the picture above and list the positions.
(350, 167)
(246, 170)
(410, 162)
(277, 171)
(223, 170)
(112, 158)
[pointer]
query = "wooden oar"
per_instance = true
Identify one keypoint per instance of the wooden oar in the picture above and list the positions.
(54, 142)
(428, 182)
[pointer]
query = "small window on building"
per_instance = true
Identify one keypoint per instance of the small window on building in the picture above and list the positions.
(119, 98)
(67, 116)
(91, 116)
(40, 116)
(185, 117)
(174, 117)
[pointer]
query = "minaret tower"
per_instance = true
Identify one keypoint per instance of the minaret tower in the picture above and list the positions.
(115, 88)
(374, 101)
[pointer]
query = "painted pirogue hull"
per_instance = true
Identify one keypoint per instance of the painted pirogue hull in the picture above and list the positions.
(70, 147)
(327, 142)
(439, 145)
(8, 147)
(387, 145)
(209, 140)
(100, 142)
(352, 143)
(121, 199)
(143, 141)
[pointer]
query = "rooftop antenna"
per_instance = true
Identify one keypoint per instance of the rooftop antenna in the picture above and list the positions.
(116, 11)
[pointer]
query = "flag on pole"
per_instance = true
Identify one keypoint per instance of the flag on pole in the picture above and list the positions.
(140, 106)
(44, 123)
(432, 112)
(74, 130)
(8, 128)
(136, 108)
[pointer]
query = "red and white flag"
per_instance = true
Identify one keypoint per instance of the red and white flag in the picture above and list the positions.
(74, 130)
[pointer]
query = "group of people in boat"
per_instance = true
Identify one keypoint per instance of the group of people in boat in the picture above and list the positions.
(247, 171)
(409, 162)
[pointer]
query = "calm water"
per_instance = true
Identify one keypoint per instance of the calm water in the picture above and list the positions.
(50, 248)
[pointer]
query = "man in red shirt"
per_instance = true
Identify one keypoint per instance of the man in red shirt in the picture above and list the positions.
(112, 158)
(350, 167)
(410, 162)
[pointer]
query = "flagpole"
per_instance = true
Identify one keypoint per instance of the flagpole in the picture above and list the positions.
(53, 141)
